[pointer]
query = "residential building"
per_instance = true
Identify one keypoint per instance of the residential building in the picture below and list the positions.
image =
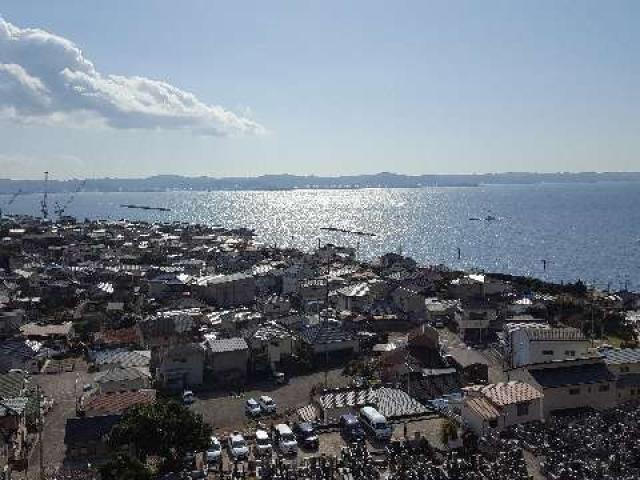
(180, 366)
(624, 363)
(529, 345)
(227, 358)
(493, 407)
(571, 384)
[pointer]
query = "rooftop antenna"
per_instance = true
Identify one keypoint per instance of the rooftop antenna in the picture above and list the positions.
(44, 209)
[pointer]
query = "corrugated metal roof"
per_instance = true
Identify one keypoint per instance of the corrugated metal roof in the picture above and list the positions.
(572, 375)
(555, 334)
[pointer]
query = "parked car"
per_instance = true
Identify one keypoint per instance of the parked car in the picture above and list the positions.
(214, 451)
(375, 423)
(306, 435)
(285, 439)
(351, 428)
(263, 444)
(187, 397)
(279, 378)
(238, 448)
(267, 404)
(252, 408)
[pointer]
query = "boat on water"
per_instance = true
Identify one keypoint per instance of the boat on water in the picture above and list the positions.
(145, 207)
(345, 230)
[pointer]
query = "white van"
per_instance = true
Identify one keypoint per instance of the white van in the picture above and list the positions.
(375, 423)
(285, 439)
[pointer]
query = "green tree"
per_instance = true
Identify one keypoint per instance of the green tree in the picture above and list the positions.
(123, 467)
(165, 429)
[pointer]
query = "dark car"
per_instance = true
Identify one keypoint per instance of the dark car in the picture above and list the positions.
(306, 435)
(351, 428)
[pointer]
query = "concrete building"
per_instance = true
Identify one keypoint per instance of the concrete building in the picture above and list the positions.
(226, 290)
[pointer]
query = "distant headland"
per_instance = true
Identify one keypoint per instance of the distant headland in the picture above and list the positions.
(292, 182)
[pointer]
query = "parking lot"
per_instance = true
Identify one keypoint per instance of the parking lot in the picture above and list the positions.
(331, 443)
(225, 412)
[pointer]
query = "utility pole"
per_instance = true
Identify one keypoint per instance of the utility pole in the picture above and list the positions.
(40, 431)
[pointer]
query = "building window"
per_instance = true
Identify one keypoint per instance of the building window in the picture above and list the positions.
(603, 388)
(624, 369)
(493, 423)
(547, 352)
(574, 391)
(570, 353)
(523, 409)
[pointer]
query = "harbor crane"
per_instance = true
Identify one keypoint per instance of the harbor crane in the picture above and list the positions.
(44, 208)
(59, 208)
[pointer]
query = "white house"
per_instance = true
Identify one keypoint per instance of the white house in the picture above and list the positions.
(538, 345)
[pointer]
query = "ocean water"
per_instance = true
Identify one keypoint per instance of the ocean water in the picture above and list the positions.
(584, 231)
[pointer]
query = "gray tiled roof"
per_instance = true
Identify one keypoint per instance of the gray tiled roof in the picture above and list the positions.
(119, 374)
(616, 356)
(324, 334)
(11, 385)
(122, 357)
(227, 345)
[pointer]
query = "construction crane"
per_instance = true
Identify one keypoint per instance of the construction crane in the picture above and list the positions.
(59, 209)
(12, 199)
(14, 196)
(44, 208)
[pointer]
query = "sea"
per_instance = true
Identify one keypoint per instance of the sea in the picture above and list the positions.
(556, 232)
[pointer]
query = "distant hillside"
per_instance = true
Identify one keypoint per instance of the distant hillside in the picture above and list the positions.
(288, 182)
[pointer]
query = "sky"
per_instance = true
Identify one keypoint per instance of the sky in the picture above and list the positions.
(90, 88)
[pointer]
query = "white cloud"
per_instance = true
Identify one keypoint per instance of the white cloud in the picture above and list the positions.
(46, 78)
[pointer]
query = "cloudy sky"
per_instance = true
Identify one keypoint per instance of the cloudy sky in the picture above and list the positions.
(121, 88)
